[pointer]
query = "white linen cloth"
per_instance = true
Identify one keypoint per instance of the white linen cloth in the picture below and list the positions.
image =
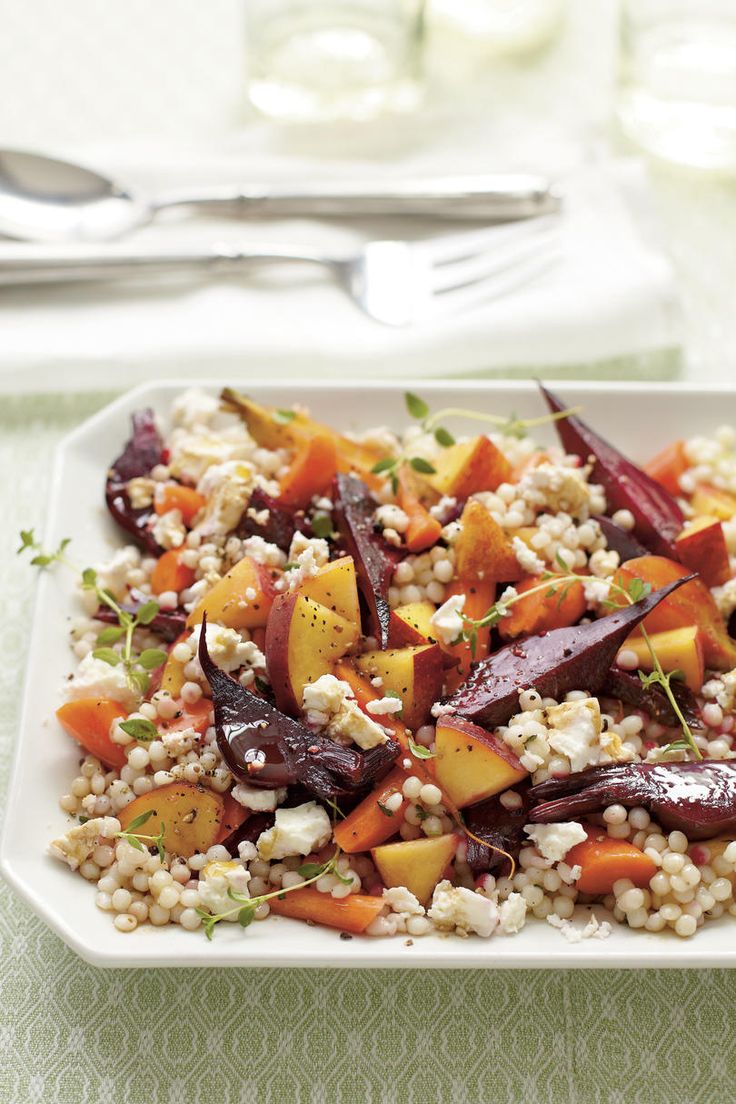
(612, 295)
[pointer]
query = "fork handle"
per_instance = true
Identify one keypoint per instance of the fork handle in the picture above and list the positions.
(500, 197)
(63, 265)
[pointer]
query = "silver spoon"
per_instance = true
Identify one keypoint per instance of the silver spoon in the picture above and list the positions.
(43, 199)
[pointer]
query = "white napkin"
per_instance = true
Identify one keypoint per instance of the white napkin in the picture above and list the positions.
(611, 296)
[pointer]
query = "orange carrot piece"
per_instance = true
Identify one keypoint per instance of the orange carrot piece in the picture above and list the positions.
(234, 814)
(543, 611)
(311, 470)
(424, 530)
(368, 824)
(88, 721)
(604, 860)
(170, 573)
(668, 465)
(351, 914)
(175, 496)
(479, 597)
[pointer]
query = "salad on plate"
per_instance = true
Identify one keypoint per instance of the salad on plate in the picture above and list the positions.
(397, 683)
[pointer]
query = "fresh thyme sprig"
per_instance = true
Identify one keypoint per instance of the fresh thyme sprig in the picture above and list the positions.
(134, 838)
(41, 557)
(136, 665)
(510, 427)
(245, 907)
(636, 590)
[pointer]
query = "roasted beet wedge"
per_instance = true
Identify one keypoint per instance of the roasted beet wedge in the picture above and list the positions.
(280, 526)
(141, 454)
(266, 748)
(552, 663)
(169, 624)
(658, 517)
(620, 540)
(631, 691)
(374, 559)
(497, 826)
(699, 799)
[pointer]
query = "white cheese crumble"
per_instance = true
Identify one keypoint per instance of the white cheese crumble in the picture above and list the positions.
(383, 707)
(227, 488)
(169, 530)
(297, 831)
(216, 880)
(391, 516)
(308, 554)
(402, 901)
(574, 729)
(512, 914)
(555, 840)
(263, 552)
(446, 621)
(725, 597)
(113, 574)
(96, 679)
(227, 648)
(77, 845)
(592, 930)
(329, 704)
(457, 907)
(256, 798)
(526, 558)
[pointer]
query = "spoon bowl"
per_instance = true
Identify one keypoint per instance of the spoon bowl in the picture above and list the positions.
(44, 199)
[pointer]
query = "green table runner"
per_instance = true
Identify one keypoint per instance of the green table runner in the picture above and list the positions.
(74, 1034)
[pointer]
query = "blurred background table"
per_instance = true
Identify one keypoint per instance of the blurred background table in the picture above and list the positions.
(167, 78)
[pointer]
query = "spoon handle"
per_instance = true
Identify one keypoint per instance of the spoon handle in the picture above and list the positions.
(495, 198)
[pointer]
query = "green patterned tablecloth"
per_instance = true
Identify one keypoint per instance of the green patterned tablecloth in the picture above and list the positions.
(73, 1034)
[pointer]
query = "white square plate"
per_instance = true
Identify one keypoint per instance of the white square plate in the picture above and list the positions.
(640, 419)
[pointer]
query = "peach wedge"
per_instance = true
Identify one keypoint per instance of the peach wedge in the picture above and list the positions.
(241, 599)
(475, 465)
(414, 673)
(473, 764)
(416, 864)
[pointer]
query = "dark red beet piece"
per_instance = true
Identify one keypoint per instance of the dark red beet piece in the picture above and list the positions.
(620, 540)
(281, 525)
(698, 799)
(143, 451)
(552, 663)
(497, 826)
(630, 690)
(266, 748)
(374, 559)
(658, 517)
(169, 624)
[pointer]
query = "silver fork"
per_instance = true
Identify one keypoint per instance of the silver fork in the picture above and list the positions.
(398, 283)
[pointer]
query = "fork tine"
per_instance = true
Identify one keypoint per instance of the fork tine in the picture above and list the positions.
(494, 286)
(463, 273)
(456, 247)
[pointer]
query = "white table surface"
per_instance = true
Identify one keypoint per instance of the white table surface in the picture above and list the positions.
(168, 79)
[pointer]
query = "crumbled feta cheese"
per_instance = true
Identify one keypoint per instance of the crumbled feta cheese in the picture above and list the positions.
(512, 914)
(77, 845)
(256, 798)
(169, 530)
(555, 840)
(96, 679)
(592, 930)
(329, 704)
(574, 729)
(725, 597)
(526, 558)
(557, 487)
(297, 831)
(263, 552)
(391, 516)
(446, 621)
(216, 879)
(400, 900)
(439, 709)
(596, 591)
(113, 574)
(140, 491)
(457, 907)
(444, 509)
(383, 707)
(227, 648)
(227, 488)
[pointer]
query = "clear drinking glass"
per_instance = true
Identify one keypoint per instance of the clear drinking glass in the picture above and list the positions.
(320, 60)
(678, 79)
